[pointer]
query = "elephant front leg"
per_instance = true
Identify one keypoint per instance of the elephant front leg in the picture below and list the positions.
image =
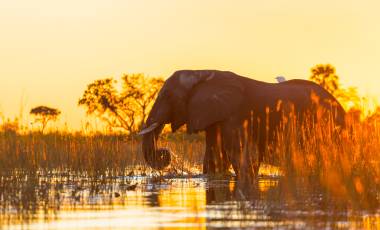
(208, 163)
(215, 159)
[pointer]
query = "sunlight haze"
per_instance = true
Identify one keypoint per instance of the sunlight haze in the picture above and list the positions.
(51, 50)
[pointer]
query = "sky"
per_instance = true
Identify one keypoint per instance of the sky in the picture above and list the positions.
(51, 50)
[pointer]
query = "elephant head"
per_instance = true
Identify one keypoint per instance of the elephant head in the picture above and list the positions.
(197, 98)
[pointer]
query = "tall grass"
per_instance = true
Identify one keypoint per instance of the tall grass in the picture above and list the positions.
(82, 153)
(38, 172)
(342, 165)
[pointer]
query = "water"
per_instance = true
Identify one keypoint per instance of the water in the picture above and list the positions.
(135, 202)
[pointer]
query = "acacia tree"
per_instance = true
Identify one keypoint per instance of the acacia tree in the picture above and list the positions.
(44, 114)
(126, 109)
(139, 93)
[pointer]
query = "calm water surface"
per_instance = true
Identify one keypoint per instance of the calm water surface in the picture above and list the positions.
(136, 202)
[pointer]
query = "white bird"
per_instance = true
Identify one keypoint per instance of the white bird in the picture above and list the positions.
(280, 79)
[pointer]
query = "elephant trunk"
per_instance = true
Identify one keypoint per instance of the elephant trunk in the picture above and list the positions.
(157, 158)
(149, 148)
(160, 114)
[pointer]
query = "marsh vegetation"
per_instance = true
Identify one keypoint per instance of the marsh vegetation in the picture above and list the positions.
(324, 180)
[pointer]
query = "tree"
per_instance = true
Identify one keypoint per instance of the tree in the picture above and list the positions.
(325, 76)
(139, 92)
(126, 109)
(44, 114)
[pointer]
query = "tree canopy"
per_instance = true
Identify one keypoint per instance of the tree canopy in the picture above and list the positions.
(44, 114)
(125, 108)
(325, 75)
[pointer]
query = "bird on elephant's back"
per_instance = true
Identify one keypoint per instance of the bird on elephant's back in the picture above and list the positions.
(233, 111)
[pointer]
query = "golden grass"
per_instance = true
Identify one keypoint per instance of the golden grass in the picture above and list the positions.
(91, 154)
(344, 165)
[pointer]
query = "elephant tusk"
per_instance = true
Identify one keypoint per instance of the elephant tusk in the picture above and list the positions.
(149, 129)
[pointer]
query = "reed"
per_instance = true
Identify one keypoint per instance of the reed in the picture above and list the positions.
(87, 153)
(343, 165)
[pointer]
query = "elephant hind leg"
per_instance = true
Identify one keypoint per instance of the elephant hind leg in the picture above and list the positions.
(231, 146)
(241, 152)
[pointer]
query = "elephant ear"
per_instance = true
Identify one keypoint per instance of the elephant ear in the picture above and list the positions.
(214, 100)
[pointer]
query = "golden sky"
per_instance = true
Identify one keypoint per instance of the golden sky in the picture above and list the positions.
(50, 50)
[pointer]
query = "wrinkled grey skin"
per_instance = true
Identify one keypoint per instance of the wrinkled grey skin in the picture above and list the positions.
(234, 111)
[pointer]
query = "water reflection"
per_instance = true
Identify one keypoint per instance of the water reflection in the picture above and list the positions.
(35, 201)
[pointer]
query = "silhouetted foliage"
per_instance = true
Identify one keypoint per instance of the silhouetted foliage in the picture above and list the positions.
(325, 75)
(349, 97)
(126, 109)
(44, 114)
(9, 126)
(139, 92)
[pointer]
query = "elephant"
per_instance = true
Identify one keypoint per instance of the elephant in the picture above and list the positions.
(224, 104)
